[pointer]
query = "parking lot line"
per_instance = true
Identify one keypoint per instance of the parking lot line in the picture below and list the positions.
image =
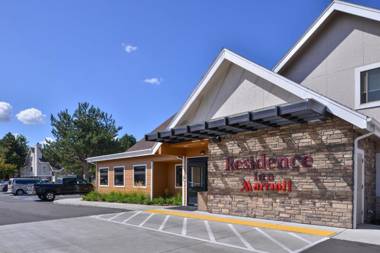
(130, 217)
(232, 236)
(184, 226)
(299, 237)
(164, 222)
(246, 244)
(274, 240)
(244, 222)
(176, 234)
(209, 231)
(147, 218)
(115, 216)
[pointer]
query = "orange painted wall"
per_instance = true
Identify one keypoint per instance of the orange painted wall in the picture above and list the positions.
(164, 179)
(163, 176)
(128, 175)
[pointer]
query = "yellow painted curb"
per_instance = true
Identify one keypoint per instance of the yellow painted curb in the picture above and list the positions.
(297, 229)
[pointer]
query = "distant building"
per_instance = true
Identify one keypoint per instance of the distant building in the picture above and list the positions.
(35, 166)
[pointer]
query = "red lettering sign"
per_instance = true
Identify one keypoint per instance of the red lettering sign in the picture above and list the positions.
(269, 163)
(282, 186)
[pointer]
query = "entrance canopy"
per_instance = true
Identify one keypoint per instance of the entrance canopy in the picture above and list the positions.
(304, 111)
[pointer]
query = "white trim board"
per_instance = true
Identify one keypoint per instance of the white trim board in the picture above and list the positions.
(127, 154)
(335, 6)
(355, 118)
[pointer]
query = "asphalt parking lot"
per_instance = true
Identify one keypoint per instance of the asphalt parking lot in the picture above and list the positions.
(21, 209)
(28, 225)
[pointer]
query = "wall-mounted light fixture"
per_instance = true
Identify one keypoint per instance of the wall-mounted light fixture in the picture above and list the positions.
(216, 139)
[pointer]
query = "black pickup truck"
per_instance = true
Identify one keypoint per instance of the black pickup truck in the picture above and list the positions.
(65, 185)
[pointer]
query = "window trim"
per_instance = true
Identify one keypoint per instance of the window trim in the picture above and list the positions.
(108, 177)
(175, 176)
(358, 72)
(133, 175)
(118, 167)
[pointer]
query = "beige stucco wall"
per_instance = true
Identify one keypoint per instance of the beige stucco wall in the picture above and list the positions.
(327, 64)
(234, 90)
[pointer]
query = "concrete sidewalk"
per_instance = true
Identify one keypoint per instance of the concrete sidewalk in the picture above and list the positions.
(365, 234)
(126, 206)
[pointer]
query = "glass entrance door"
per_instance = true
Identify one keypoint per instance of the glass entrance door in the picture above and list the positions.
(196, 179)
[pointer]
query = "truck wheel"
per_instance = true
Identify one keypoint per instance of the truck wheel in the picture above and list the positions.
(20, 192)
(49, 196)
(41, 197)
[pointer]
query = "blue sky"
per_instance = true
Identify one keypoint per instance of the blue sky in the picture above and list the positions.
(137, 60)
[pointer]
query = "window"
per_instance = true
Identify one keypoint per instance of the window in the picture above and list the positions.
(139, 175)
(367, 86)
(118, 176)
(196, 177)
(178, 176)
(103, 177)
(370, 86)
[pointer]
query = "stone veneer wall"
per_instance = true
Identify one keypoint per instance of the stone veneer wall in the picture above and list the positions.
(321, 195)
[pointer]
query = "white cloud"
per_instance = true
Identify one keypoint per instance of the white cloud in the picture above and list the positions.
(44, 141)
(31, 116)
(153, 80)
(5, 111)
(129, 48)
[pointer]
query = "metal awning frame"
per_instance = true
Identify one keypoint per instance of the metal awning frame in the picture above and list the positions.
(291, 113)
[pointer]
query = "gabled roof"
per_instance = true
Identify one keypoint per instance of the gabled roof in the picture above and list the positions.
(141, 148)
(357, 119)
(143, 144)
(335, 6)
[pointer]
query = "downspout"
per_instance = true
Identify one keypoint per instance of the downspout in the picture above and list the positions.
(356, 148)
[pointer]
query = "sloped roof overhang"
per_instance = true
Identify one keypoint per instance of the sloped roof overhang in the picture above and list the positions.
(335, 6)
(303, 111)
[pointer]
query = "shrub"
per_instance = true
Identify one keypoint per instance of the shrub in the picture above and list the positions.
(133, 198)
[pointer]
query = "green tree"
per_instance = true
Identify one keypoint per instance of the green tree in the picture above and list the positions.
(126, 141)
(14, 150)
(6, 170)
(85, 133)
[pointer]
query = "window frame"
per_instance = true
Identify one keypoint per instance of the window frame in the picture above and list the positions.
(175, 176)
(114, 174)
(358, 72)
(146, 174)
(108, 177)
